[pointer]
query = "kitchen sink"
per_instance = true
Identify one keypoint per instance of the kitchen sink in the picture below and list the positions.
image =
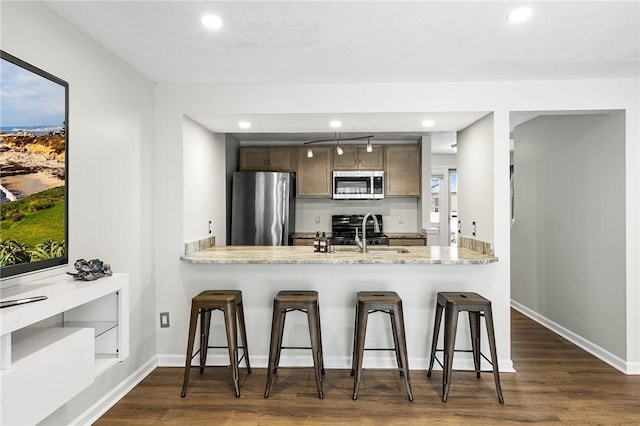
(375, 250)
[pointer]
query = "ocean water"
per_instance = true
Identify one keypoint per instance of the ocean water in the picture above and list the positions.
(3, 195)
(36, 130)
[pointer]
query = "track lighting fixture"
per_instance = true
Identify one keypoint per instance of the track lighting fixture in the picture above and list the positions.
(337, 139)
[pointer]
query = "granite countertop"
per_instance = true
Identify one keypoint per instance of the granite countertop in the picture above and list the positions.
(305, 235)
(407, 235)
(309, 234)
(429, 255)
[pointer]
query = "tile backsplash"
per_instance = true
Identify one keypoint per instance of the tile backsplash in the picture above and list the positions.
(196, 246)
(398, 214)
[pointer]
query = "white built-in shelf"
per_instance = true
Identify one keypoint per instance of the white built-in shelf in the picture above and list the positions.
(80, 331)
(99, 327)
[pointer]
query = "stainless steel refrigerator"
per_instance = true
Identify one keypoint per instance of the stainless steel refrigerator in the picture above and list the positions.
(263, 208)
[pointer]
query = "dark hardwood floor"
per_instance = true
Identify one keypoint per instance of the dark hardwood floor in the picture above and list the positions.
(556, 383)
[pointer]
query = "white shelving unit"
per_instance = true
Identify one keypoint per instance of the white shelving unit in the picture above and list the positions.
(53, 349)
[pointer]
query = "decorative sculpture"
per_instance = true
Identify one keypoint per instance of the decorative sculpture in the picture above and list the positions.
(91, 270)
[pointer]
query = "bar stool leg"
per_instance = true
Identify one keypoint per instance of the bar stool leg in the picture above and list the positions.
(451, 326)
(283, 319)
(232, 343)
(396, 344)
(243, 335)
(320, 337)
(316, 344)
(360, 337)
(488, 317)
(355, 343)
(193, 323)
(277, 325)
(474, 327)
(401, 349)
(434, 341)
(205, 327)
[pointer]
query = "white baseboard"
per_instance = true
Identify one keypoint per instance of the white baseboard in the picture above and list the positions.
(595, 350)
(93, 413)
(633, 367)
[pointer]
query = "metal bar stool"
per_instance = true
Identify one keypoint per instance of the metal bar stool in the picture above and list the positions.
(302, 301)
(476, 306)
(388, 302)
(230, 303)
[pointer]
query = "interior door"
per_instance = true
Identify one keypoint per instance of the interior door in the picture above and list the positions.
(444, 215)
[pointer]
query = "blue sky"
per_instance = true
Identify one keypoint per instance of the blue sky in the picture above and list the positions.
(27, 99)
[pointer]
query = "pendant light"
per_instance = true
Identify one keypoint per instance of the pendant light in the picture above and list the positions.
(338, 148)
(309, 153)
(369, 147)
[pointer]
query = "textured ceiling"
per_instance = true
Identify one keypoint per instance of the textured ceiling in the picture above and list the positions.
(288, 42)
(317, 42)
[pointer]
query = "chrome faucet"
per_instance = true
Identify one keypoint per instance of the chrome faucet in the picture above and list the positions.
(362, 244)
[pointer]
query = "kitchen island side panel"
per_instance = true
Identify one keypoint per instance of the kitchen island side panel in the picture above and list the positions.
(337, 285)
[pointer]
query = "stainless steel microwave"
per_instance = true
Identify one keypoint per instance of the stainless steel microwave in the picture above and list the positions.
(358, 185)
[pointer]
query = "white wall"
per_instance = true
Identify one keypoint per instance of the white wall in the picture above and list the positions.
(475, 179)
(443, 162)
(110, 184)
(175, 287)
(204, 186)
(568, 238)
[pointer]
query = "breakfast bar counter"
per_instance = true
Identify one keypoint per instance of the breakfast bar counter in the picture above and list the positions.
(427, 255)
(416, 273)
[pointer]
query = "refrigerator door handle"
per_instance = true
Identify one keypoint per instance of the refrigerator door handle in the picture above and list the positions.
(285, 213)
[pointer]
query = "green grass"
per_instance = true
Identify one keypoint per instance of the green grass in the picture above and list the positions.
(37, 226)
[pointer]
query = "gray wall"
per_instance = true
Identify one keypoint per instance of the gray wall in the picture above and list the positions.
(111, 130)
(475, 179)
(203, 185)
(568, 238)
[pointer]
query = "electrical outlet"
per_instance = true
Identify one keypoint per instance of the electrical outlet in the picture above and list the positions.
(164, 319)
(400, 220)
(317, 220)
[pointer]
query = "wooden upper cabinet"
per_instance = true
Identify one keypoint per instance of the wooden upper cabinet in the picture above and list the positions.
(357, 158)
(283, 159)
(313, 178)
(373, 160)
(273, 159)
(253, 158)
(402, 170)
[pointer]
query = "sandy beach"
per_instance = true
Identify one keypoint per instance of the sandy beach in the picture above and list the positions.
(24, 185)
(29, 165)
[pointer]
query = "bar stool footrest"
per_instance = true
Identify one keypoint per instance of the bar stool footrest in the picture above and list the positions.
(467, 351)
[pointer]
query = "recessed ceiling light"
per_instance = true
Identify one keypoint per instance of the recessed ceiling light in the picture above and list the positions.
(244, 124)
(212, 22)
(335, 124)
(428, 123)
(519, 15)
